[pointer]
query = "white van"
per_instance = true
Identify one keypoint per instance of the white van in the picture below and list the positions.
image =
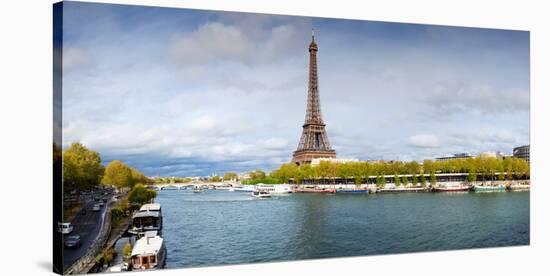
(65, 228)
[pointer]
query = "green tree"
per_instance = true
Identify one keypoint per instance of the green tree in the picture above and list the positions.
(82, 167)
(380, 181)
(397, 180)
(432, 179)
(118, 174)
(472, 176)
(216, 178)
(138, 177)
(285, 172)
(141, 194)
(230, 176)
(127, 251)
(414, 179)
(257, 174)
(404, 180)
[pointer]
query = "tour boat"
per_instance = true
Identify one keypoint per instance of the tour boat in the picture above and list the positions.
(403, 190)
(274, 189)
(316, 190)
(352, 191)
(245, 188)
(498, 188)
(149, 252)
(453, 188)
(261, 194)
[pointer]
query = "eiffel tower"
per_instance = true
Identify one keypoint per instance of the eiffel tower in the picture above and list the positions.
(314, 141)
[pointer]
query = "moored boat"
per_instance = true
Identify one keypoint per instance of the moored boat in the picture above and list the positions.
(245, 188)
(352, 191)
(403, 190)
(149, 218)
(519, 187)
(489, 188)
(316, 190)
(149, 252)
(453, 188)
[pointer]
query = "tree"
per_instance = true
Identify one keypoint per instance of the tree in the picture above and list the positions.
(257, 174)
(118, 174)
(141, 194)
(380, 181)
(127, 251)
(82, 167)
(138, 177)
(285, 172)
(404, 180)
(432, 179)
(415, 179)
(230, 176)
(472, 176)
(216, 178)
(397, 180)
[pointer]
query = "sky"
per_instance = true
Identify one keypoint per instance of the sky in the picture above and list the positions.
(180, 92)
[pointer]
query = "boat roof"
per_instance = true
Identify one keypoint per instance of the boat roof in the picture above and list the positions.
(147, 245)
(146, 214)
(150, 207)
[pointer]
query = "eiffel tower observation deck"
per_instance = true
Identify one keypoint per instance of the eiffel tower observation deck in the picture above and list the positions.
(314, 142)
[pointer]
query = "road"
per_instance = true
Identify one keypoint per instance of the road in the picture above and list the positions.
(87, 227)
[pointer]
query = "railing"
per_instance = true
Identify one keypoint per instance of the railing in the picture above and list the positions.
(87, 261)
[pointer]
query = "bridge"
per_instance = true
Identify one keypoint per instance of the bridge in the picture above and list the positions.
(179, 186)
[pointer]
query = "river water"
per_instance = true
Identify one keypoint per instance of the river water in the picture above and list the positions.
(222, 227)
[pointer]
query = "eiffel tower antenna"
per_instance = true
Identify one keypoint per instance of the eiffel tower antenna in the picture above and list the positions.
(314, 142)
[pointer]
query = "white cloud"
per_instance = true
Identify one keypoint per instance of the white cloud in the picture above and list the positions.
(424, 141)
(73, 57)
(459, 96)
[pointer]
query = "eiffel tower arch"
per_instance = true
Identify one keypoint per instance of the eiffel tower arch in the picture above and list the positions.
(314, 142)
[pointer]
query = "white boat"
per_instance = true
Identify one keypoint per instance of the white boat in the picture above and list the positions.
(149, 218)
(245, 188)
(275, 189)
(519, 187)
(198, 189)
(261, 194)
(149, 252)
(153, 207)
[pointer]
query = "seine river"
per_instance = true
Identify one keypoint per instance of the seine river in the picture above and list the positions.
(222, 227)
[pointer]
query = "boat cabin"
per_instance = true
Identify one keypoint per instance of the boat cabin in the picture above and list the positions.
(149, 252)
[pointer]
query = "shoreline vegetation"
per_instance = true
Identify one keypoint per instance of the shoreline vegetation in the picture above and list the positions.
(83, 172)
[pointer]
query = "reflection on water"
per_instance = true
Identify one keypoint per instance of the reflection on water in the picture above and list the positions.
(222, 227)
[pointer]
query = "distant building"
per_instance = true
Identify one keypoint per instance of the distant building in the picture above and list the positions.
(454, 156)
(317, 161)
(244, 176)
(522, 152)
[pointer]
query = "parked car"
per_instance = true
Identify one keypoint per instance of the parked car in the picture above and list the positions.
(65, 228)
(83, 212)
(96, 208)
(72, 241)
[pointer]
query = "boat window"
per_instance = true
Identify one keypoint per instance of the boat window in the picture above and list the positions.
(153, 259)
(136, 261)
(145, 260)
